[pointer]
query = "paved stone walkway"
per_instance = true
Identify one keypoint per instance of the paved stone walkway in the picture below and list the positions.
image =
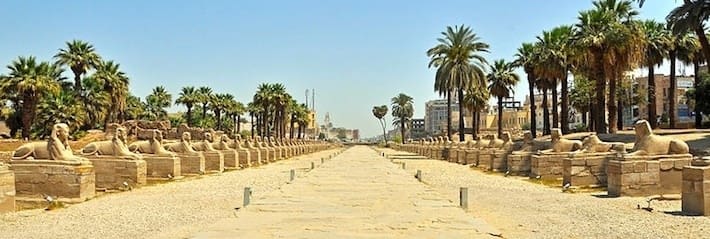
(355, 195)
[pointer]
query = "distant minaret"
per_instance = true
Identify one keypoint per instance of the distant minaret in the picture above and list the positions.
(307, 99)
(313, 100)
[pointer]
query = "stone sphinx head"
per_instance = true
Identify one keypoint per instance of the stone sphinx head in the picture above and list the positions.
(157, 135)
(555, 134)
(505, 137)
(224, 138)
(186, 137)
(207, 136)
(642, 128)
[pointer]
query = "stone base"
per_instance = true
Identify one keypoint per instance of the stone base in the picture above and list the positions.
(265, 156)
(192, 164)
(498, 161)
(646, 175)
(7, 190)
(586, 170)
(471, 157)
(547, 165)
(255, 157)
(484, 158)
(244, 158)
(163, 167)
(112, 172)
(231, 159)
(214, 161)
(65, 181)
(461, 156)
(696, 190)
(519, 163)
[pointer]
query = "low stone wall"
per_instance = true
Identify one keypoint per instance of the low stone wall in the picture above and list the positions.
(646, 175)
(71, 182)
(192, 164)
(214, 161)
(5, 156)
(547, 166)
(162, 167)
(7, 190)
(519, 163)
(586, 170)
(111, 172)
(696, 190)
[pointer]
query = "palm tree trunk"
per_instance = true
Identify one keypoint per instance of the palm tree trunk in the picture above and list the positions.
(500, 116)
(545, 114)
(384, 132)
(584, 118)
(620, 113)
(238, 124)
(474, 123)
(401, 129)
(478, 123)
(218, 115)
(189, 115)
(555, 110)
(293, 122)
(592, 118)
(564, 115)
(671, 91)
(77, 84)
(28, 114)
(612, 105)
(448, 113)
(702, 38)
(698, 114)
(462, 136)
(600, 116)
(533, 107)
(652, 97)
(252, 125)
(204, 111)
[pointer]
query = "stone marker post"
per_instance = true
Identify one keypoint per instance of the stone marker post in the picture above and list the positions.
(293, 174)
(463, 198)
(313, 165)
(419, 175)
(247, 196)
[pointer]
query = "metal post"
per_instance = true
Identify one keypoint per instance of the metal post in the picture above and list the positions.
(293, 174)
(247, 196)
(419, 175)
(463, 198)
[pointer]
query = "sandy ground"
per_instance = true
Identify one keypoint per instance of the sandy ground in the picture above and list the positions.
(356, 195)
(170, 210)
(521, 208)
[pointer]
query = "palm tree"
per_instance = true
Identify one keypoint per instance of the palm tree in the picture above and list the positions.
(135, 108)
(691, 16)
(60, 108)
(459, 67)
(688, 52)
(234, 111)
(219, 104)
(525, 57)
(379, 112)
(657, 42)
(302, 118)
(96, 102)
(476, 100)
(30, 80)
(115, 84)
(254, 111)
(554, 62)
(501, 80)
(204, 96)
(189, 96)
(402, 111)
(581, 95)
(543, 85)
(157, 101)
(80, 57)
(682, 47)
(263, 98)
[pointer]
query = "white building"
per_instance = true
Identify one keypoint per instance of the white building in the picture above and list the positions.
(435, 116)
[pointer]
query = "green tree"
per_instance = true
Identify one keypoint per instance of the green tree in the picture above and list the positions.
(582, 95)
(157, 101)
(204, 96)
(657, 42)
(58, 108)
(188, 97)
(459, 67)
(502, 79)
(96, 102)
(80, 57)
(526, 57)
(219, 104)
(687, 49)
(115, 84)
(135, 108)
(402, 111)
(380, 112)
(554, 63)
(701, 91)
(476, 101)
(691, 16)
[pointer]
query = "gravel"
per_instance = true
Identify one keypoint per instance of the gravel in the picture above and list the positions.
(521, 208)
(167, 210)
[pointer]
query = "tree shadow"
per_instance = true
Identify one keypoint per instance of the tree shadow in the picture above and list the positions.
(682, 214)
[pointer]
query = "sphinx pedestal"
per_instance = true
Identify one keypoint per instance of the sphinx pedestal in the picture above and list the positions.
(7, 190)
(255, 157)
(231, 159)
(646, 175)
(192, 164)
(519, 163)
(214, 161)
(696, 190)
(484, 158)
(547, 166)
(498, 160)
(471, 157)
(163, 167)
(65, 181)
(112, 172)
(450, 155)
(586, 169)
(461, 156)
(265, 156)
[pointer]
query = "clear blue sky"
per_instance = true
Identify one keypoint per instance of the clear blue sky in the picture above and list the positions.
(356, 54)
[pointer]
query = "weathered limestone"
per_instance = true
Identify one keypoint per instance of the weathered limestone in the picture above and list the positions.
(50, 168)
(587, 167)
(256, 157)
(214, 160)
(499, 150)
(231, 157)
(696, 188)
(160, 163)
(655, 166)
(547, 164)
(266, 155)
(7, 189)
(191, 161)
(114, 164)
(518, 161)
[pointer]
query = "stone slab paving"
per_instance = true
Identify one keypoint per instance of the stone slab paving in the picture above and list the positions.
(355, 195)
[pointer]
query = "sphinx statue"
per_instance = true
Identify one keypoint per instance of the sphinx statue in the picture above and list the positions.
(184, 146)
(223, 143)
(592, 144)
(561, 145)
(648, 143)
(485, 141)
(205, 144)
(528, 145)
(154, 145)
(56, 148)
(503, 143)
(114, 147)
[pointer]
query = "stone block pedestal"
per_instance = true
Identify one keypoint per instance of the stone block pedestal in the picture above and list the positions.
(214, 161)
(163, 167)
(646, 175)
(65, 181)
(519, 163)
(471, 157)
(461, 156)
(547, 165)
(255, 157)
(696, 190)
(192, 164)
(244, 158)
(498, 161)
(7, 190)
(231, 159)
(484, 158)
(112, 172)
(586, 169)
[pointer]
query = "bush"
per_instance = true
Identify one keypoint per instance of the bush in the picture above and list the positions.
(580, 128)
(525, 126)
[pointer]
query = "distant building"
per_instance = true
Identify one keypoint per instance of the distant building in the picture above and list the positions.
(435, 116)
(418, 130)
(640, 86)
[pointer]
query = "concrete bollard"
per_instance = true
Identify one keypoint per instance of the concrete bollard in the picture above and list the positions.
(463, 198)
(322, 160)
(247, 196)
(313, 165)
(404, 165)
(293, 174)
(419, 175)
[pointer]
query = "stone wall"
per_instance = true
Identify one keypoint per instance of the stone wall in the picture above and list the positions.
(162, 167)
(7, 190)
(584, 170)
(111, 173)
(645, 176)
(696, 190)
(547, 165)
(64, 181)
(519, 163)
